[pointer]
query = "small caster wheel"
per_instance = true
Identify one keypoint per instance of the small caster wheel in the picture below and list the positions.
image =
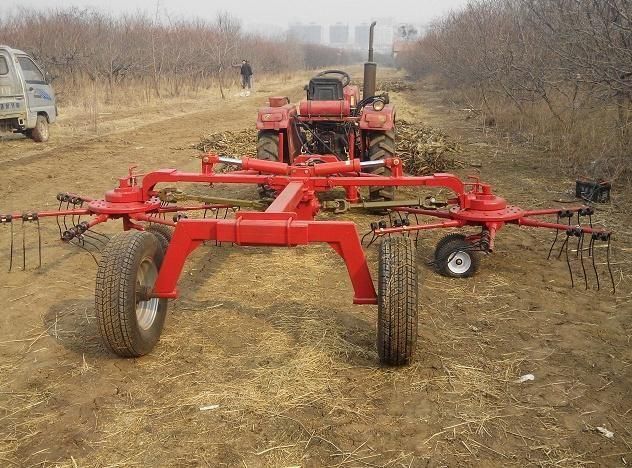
(455, 258)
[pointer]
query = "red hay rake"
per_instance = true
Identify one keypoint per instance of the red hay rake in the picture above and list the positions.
(139, 268)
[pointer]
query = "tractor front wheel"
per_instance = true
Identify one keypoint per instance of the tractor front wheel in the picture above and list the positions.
(397, 301)
(268, 150)
(381, 145)
(130, 322)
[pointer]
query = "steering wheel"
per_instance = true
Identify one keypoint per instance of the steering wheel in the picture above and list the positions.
(345, 78)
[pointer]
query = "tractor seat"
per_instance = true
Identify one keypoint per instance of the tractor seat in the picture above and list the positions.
(323, 88)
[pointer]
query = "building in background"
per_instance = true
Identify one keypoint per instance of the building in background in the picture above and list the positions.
(311, 33)
(339, 35)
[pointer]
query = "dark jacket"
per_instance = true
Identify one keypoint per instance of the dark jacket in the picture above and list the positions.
(246, 70)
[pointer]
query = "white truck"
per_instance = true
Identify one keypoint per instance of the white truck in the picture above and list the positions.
(27, 100)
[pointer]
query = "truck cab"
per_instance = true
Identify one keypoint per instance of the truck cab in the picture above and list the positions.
(27, 100)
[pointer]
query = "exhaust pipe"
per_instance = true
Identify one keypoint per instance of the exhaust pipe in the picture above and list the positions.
(370, 68)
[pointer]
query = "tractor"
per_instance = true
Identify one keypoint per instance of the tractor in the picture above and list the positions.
(334, 123)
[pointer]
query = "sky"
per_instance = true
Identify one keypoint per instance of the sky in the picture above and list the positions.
(272, 12)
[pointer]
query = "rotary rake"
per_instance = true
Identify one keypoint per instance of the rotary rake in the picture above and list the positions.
(139, 268)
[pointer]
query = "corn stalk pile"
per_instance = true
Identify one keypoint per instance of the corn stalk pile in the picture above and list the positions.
(425, 150)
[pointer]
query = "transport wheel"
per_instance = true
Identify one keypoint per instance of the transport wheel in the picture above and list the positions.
(444, 240)
(456, 259)
(129, 324)
(40, 133)
(163, 233)
(268, 150)
(381, 145)
(397, 301)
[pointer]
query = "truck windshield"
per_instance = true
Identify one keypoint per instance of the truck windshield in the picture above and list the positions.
(4, 67)
(32, 74)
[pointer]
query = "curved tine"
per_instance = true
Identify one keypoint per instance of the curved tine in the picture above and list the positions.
(557, 233)
(591, 252)
(568, 262)
(390, 217)
(204, 215)
(11, 250)
(105, 236)
(581, 259)
(372, 241)
(78, 244)
(559, 255)
(91, 244)
(614, 288)
(39, 243)
(57, 219)
(64, 218)
(79, 216)
(590, 220)
(23, 247)
(366, 235)
(96, 239)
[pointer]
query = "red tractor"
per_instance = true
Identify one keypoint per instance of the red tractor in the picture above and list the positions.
(334, 123)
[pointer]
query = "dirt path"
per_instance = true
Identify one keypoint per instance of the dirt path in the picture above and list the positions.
(269, 336)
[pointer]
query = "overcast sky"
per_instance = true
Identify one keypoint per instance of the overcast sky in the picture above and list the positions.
(279, 12)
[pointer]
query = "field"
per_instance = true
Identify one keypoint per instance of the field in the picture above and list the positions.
(265, 362)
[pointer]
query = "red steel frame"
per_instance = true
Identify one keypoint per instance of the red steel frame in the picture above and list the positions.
(289, 220)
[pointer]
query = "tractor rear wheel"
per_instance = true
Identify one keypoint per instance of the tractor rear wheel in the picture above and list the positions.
(456, 259)
(381, 145)
(268, 150)
(397, 301)
(130, 323)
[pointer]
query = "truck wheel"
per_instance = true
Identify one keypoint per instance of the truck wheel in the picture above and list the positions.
(456, 259)
(163, 233)
(130, 325)
(381, 145)
(40, 132)
(268, 150)
(397, 301)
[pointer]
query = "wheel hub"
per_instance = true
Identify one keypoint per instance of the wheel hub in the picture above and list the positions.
(459, 262)
(146, 308)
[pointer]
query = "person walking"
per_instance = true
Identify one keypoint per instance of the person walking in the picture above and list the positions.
(245, 71)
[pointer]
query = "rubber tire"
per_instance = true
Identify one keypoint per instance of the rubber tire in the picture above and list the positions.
(442, 257)
(381, 145)
(267, 150)
(115, 294)
(268, 145)
(444, 240)
(398, 301)
(163, 233)
(40, 133)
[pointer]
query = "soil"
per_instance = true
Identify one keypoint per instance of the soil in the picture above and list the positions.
(265, 362)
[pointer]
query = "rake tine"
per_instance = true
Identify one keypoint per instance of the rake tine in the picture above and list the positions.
(557, 233)
(204, 215)
(57, 219)
(581, 258)
(373, 239)
(568, 262)
(106, 237)
(86, 241)
(365, 236)
(11, 250)
(39, 243)
(559, 255)
(64, 218)
(78, 244)
(94, 238)
(614, 288)
(591, 252)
